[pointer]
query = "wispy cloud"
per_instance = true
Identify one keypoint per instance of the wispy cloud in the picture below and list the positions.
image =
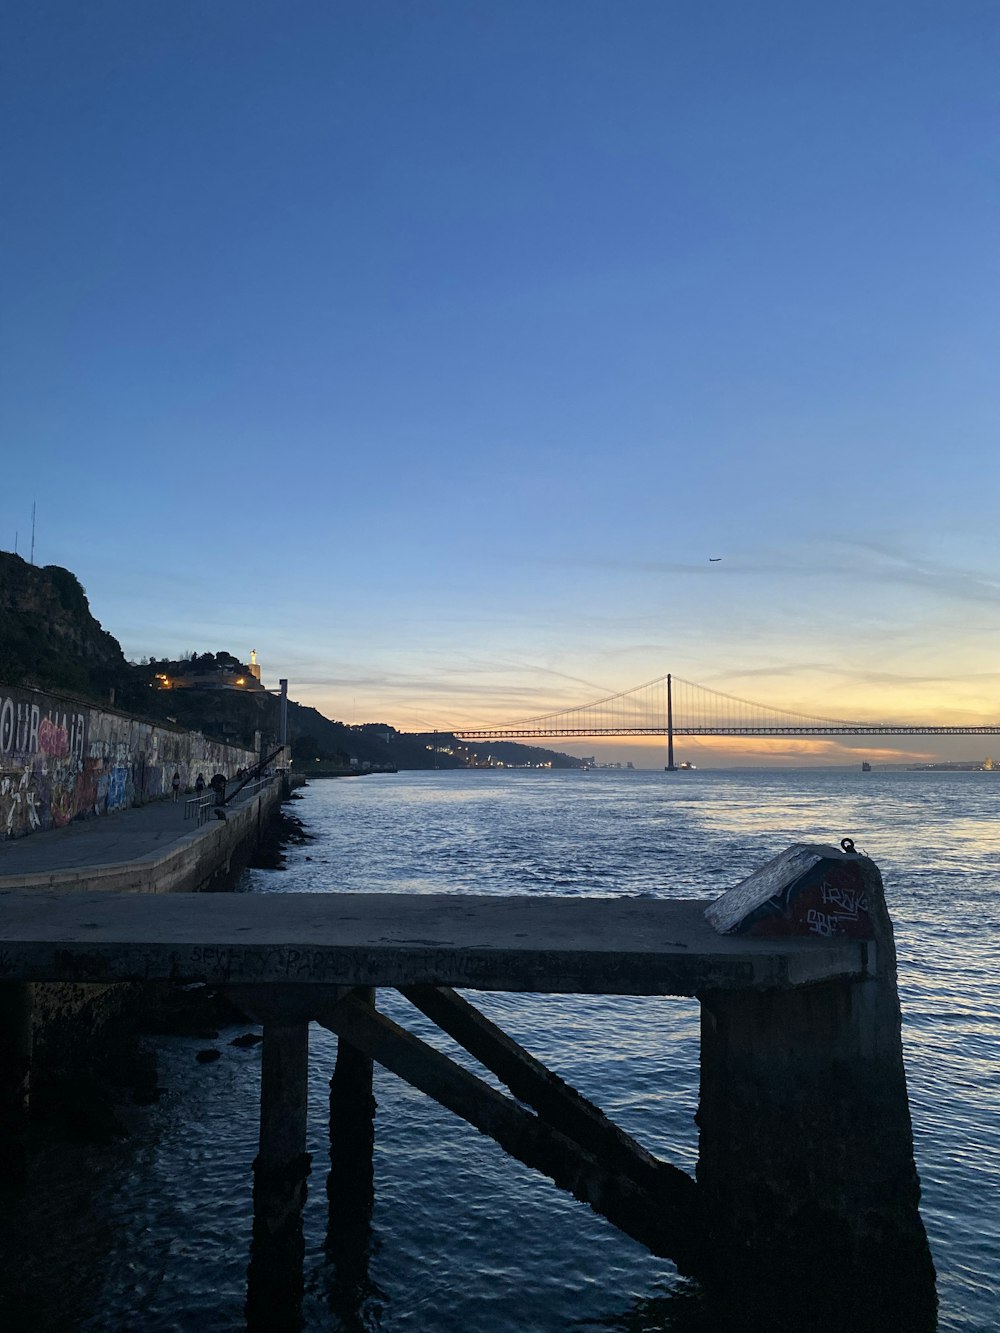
(833, 559)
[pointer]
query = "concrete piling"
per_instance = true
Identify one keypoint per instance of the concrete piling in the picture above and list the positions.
(281, 1169)
(808, 1186)
(350, 1185)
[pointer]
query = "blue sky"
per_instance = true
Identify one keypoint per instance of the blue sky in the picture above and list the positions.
(433, 348)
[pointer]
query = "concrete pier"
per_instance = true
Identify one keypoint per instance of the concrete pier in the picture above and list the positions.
(805, 1199)
(592, 946)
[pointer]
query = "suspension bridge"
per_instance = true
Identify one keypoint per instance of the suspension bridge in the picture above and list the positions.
(669, 706)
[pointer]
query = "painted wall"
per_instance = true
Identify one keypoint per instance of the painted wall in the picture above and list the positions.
(61, 759)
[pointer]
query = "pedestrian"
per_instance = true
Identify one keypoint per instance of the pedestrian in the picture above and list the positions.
(199, 783)
(176, 784)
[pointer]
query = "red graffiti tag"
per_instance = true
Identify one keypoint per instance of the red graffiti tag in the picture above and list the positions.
(52, 739)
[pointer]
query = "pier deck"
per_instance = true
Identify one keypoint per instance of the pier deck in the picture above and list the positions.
(623, 946)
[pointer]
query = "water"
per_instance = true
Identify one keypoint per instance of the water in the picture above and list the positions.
(465, 1238)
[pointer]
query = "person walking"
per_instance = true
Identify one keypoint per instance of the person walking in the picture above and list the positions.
(176, 784)
(199, 783)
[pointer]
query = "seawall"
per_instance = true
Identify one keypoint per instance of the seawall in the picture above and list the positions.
(62, 758)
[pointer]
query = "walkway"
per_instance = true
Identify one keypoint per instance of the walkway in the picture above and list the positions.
(93, 849)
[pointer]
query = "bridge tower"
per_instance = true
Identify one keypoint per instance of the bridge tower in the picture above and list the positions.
(670, 766)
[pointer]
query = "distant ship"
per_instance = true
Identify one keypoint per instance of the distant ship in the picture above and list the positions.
(685, 764)
(865, 766)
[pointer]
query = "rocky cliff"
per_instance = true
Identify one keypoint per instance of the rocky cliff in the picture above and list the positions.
(48, 637)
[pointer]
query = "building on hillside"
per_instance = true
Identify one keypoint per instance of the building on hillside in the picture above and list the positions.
(204, 673)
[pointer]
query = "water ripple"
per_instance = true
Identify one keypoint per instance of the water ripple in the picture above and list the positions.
(466, 1238)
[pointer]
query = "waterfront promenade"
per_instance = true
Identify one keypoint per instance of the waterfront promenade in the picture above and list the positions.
(143, 849)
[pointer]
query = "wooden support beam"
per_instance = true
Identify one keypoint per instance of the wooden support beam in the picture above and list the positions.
(275, 1283)
(556, 1102)
(666, 1229)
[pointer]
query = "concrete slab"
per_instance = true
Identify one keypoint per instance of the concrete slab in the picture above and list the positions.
(624, 946)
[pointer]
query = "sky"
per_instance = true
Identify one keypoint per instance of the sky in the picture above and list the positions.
(472, 360)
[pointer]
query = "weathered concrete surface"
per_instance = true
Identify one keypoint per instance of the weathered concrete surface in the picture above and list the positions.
(806, 1172)
(623, 946)
(809, 889)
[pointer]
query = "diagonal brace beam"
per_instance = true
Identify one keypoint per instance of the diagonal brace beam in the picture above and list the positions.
(556, 1102)
(666, 1226)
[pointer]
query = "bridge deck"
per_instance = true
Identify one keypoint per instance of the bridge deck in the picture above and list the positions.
(623, 946)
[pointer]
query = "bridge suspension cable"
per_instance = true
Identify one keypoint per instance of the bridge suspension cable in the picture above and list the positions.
(670, 706)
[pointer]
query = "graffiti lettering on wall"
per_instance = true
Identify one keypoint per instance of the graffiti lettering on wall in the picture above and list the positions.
(42, 744)
(25, 729)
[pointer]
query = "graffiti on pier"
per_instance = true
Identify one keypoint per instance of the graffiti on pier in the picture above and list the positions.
(844, 909)
(804, 891)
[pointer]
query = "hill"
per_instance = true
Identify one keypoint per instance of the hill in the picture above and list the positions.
(49, 639)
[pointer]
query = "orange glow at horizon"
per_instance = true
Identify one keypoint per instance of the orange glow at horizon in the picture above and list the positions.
(931, 700)
(934, 702)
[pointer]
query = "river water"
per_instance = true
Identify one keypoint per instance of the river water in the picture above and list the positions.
(465, 1238)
